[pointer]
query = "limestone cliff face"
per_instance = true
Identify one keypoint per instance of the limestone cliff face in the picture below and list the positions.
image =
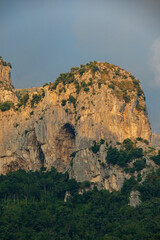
(45, 126)
(6, 88)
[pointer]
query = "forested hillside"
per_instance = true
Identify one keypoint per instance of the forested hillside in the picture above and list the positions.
(32, 207)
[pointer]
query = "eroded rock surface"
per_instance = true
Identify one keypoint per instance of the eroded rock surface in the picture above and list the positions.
(97, 101)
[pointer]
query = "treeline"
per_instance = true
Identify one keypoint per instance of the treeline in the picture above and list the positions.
(32, 207)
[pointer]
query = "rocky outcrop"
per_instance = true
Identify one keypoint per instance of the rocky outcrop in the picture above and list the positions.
(134, 199)
(6, 88)
(48, 126)
(155, 140)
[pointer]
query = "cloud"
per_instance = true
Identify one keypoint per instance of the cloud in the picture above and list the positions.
(155, 60)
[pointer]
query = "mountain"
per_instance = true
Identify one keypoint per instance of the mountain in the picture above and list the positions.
(77, 124)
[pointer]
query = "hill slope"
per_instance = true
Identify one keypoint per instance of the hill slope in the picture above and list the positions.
(71, 123)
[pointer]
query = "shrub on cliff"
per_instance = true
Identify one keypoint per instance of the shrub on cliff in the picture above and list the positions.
(36, 98)
(63, 102)
(156, 159)
(23, 100)
(81, 71)
(124, 156)
(64, 78)
(114, 156)
(95, 148)
(139, 164)
(6, 106)
(4, 63)
(72, 99)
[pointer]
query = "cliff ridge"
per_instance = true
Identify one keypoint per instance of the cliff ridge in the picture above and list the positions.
(59, 125)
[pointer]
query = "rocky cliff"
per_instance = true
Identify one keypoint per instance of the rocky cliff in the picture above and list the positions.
(59, 125)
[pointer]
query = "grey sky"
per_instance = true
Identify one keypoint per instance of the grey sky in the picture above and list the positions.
(45, 38)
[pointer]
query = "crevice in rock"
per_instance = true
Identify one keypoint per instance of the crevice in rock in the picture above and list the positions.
(64, 145)
(41, 155)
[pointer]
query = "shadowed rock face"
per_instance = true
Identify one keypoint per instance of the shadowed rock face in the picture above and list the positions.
(98, 101)
(155, 140)
(65, 146)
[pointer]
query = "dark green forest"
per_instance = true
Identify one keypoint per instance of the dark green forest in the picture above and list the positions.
(32, 207)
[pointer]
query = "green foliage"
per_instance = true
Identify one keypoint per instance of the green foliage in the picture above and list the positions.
(31, 113)
(18, 94)
(139, 177)
(95, 68)
(77, 86)
(63, 102)
(72, 99)
(83, 84)
(123, 156)
(73, 154)
(136, 153)
(126, 98)
(128, 186)
(132, 77)
(138, 87)
(135, 82)
(139, 139)
(23, 100)
(74, 69)
(81, 71)
(5, 63)
(4, 106)
(36, 98)
(151, 186)
(99, 84)
(26, 131)
(84, 185)
(9, 64)
(140, 108)
(129, 170)
(156, 159)
(64, 78)
(32, 207)
(140, 164)
(43, 93)
(139, 91)
(102, 141)
(90, 82)
(128, 144)
(146, 141)
(117, 72)
(111, 85)
(95, 148)
(46, 84)
(86, 89)
(114, 156)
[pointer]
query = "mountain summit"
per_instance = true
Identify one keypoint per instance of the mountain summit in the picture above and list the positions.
(72, 123)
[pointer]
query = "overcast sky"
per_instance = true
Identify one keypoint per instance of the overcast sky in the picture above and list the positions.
(43, 38)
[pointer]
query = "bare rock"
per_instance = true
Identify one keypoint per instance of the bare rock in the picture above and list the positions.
(102, 102)
(134, 199)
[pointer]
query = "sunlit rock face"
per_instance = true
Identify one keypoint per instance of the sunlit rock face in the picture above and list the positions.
(97, 101)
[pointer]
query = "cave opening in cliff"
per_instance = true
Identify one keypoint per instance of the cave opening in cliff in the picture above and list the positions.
(65, 145)
(69, 130)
